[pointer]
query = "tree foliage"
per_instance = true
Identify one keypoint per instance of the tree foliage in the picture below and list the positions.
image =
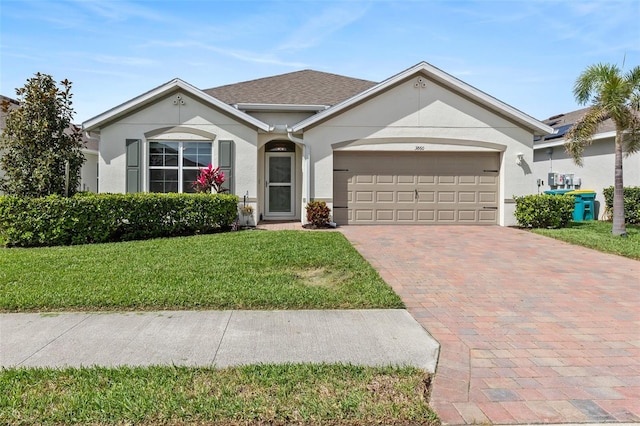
(41, 147)
(613, 95)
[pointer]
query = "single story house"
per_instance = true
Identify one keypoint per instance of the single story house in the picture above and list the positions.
(421, 147)
(89, 171)
(597, 172)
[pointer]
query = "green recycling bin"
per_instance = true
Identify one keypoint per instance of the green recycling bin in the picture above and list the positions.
(587, 201)
(578, 208)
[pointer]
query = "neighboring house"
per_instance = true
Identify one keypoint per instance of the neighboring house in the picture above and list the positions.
(597, 172)
(421, 147)
(89, 171)
(12, 104)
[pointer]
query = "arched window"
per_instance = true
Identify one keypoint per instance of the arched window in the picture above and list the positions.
(280, 146)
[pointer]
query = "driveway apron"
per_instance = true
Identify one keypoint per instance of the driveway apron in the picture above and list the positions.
(532, 330)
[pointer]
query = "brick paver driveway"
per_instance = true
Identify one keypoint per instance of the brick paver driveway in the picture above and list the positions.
(532, 330)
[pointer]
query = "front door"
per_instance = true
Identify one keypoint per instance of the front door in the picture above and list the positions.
(279, 179)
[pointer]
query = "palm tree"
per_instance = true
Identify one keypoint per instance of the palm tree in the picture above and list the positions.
(616, 96)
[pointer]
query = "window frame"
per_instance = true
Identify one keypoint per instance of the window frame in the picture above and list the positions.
(180, 167)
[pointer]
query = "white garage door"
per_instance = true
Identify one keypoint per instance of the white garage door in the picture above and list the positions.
(413, 188)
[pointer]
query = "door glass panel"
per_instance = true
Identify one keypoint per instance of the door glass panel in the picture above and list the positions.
(280, 170)
(279, 199)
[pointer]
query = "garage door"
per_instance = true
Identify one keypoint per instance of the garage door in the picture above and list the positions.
(413, 188)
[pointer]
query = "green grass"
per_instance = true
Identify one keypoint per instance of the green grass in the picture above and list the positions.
(597, 235)
(236, 270)
(261, 394)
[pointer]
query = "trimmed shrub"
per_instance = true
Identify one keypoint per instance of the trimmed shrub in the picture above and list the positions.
(631, 196)
(100, 218)
(544, 211)
(318, 213)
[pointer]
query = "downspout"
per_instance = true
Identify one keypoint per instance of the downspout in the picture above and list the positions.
(306, 169)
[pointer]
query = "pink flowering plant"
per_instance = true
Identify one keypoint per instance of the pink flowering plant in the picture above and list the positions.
(209, 179)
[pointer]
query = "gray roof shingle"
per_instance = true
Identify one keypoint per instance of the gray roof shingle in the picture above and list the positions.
(305, 87)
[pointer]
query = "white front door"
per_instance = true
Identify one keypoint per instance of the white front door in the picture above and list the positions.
(279, 195)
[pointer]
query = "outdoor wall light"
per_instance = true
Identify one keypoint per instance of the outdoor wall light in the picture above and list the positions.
(519, 158)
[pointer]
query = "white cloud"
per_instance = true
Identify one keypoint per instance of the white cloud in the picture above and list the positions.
(118, 10)
(102, 71)
(242, 55)
(124, 60)
(312, 31)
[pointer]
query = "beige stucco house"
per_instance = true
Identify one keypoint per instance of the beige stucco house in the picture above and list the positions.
(597, 171)
(421, 147)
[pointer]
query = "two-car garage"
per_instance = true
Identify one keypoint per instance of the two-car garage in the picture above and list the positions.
(376, 187)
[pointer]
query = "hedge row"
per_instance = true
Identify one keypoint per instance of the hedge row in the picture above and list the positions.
(544, 211)
(631, 203)
(99, 218)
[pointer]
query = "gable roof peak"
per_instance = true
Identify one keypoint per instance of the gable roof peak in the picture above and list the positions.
(441, 77)
(151, 96)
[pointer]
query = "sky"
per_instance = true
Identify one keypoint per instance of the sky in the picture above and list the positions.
(527, 54)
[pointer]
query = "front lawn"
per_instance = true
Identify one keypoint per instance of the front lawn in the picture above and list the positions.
(251, 395)
(597, 235)
(236, 270)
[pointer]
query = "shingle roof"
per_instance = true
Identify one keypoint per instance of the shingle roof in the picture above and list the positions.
(305, 87)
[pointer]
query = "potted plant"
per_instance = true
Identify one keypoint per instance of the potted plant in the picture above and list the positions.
(246, 215)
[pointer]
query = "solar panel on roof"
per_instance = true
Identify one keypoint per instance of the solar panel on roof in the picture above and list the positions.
(564, 129)
(561, 131)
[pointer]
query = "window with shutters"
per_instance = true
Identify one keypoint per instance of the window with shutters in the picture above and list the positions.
(174, 165)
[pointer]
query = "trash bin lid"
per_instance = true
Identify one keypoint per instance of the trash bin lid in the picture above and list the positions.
(581, 191)
(587, 194)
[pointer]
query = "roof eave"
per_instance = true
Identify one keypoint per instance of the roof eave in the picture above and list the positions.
(559, 142)
(440, 76)
(94, 124)
(279, 107)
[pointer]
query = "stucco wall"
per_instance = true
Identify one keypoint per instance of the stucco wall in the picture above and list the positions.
(597, 172)
(432, 117)
(191, 116)
(89, 173)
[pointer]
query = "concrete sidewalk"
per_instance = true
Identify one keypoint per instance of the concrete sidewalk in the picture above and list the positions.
(215, 338)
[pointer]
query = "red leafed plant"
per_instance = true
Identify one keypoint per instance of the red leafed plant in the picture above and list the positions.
(209, 179)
